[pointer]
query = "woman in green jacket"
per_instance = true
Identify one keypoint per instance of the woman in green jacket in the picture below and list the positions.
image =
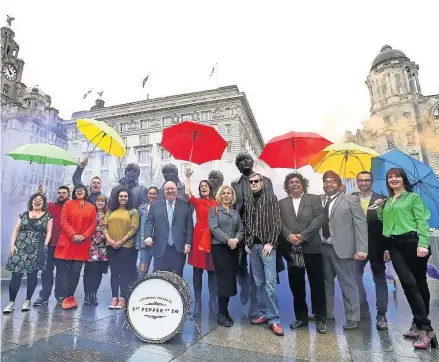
(405, 223)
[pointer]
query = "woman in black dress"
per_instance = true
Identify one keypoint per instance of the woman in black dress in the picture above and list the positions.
(27, 253)
(227, 231)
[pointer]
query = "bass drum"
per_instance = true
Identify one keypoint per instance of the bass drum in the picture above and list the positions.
(157, 306)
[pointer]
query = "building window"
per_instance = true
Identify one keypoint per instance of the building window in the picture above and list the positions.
(387, 121)
(206, 116)
(6, 89)
(390, 142)
(167, 121)
(229, 148)
(104, 175)
(227, 112)
(145, 124)
(399, 89)
(186, 117)
(165, 155)
(143, 156)
(143, 140)
(125, 141)
(124, 127)
(228, 129)
(410, 138)
(105, 160)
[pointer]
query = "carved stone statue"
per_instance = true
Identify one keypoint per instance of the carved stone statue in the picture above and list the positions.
(170, 173)
(218, 113)
(216, 178)
(196, 116)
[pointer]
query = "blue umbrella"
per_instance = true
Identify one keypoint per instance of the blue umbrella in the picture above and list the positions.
(421, 177)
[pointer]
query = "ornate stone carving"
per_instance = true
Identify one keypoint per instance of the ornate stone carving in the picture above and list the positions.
(218, 114)
(196, 116)
(238, 112)
(133, 126)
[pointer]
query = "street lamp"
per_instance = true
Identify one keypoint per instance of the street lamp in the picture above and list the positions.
(419, 123)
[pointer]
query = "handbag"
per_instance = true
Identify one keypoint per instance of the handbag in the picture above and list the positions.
(206, 238)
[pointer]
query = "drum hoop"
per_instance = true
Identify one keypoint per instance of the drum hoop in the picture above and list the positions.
(159, 275)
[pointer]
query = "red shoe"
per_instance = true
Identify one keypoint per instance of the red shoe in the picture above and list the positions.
(121, 304)
(66, 304)
(73, 302)
(425, 339)
(277, 329)
(260, 320)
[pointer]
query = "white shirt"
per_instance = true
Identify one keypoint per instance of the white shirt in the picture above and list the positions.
(296, 203)
(325, 199)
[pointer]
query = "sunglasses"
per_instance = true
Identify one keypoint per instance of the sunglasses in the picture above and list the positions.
(254, 181)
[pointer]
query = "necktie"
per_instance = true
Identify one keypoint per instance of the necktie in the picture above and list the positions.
(170, 214)
(325, 228)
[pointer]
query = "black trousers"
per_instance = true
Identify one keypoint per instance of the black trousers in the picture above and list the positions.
(68, 273)
(412, 274)
(377, 247)
(122, 265)
(296, 278)
(47, 276)
(171, 260)
(93, 275)
(198, 283)
(15, 283)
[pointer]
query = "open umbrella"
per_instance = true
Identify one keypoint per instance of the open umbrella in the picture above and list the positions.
(103, 136)
(292, 149)
(43, 153)
(347, 159)
(193, 142)
(421, 177)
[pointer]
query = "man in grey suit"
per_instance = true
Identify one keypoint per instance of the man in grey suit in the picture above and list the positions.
(169, 229)
(344, 238)
(300, 244)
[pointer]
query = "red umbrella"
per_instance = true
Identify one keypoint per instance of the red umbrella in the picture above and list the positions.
(193, 142)
(293, 149)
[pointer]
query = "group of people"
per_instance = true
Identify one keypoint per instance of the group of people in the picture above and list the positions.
(242, 235)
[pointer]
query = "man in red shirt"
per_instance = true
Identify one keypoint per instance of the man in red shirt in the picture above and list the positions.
(47, 275)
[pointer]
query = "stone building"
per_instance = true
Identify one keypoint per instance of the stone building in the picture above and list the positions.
(27, 116)
(141, 125)
(392, 122)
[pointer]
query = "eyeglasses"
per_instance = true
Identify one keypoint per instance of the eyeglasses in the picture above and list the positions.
(79, 190)
(254, 181)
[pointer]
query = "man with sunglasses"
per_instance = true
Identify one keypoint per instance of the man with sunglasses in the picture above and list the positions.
(377, 253)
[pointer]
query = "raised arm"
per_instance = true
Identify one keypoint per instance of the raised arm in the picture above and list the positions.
(78, 173)
(187, 185)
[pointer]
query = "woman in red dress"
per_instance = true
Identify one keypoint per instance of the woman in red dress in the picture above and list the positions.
(199, 259)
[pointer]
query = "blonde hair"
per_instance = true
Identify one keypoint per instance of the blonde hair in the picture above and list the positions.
(221, 190)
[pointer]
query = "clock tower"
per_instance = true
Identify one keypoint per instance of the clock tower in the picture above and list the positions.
(11, 66)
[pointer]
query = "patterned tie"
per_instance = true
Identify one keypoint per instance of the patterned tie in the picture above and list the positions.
(170, 214)
(325, 228)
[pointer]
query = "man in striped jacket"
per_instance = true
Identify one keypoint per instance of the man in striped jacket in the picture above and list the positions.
(262, 228)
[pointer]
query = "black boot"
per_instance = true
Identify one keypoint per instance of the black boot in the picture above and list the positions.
(95, 299)
(213, 301)
(223, 321)
(87, 300)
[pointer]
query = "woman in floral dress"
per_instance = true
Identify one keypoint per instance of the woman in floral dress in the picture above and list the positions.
(27, 252)
(199, 259)
(97, 263)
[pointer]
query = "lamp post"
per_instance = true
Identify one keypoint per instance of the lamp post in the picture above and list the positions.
(419, 123)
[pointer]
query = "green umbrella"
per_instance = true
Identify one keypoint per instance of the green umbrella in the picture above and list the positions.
(43, 153)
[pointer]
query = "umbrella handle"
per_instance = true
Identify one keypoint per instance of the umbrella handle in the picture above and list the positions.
(192, 148)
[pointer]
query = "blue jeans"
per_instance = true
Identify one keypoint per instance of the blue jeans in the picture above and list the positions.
(145, 257)
(265, 278)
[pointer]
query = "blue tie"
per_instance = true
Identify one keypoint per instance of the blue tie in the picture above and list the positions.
(170, 214)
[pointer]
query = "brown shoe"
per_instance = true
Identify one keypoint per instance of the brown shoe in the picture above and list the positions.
(260, 320)
(277, 329)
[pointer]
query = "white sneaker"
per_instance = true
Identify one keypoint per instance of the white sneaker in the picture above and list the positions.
(26, 306)
(9, 308)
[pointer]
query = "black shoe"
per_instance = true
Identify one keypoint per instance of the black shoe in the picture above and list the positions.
(223, 321)
(321, 327)
(230, 319)
(197, 309)
(350, 325)
(95, 299)
(41, 301)
(87, 300)
(298, 324)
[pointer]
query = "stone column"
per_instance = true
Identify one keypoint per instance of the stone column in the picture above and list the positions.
(418, 85)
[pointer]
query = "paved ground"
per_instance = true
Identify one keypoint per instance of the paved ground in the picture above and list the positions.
(48, 333)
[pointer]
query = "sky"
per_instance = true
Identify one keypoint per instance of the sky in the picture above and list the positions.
(301, 64)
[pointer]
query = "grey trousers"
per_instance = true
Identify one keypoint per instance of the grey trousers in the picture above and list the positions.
(344, 270)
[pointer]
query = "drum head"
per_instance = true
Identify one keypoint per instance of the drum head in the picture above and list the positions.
(155, 309)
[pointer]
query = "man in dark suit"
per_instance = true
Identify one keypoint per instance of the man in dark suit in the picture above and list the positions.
(377, 254)
(169, 229)
(301, 246)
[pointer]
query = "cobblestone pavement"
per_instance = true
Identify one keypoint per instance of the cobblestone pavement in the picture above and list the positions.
(48, 333)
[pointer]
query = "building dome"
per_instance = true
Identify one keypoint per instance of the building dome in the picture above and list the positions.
(387, 53)
(36, 89)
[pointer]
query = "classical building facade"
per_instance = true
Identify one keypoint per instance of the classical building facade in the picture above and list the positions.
(27, 116)
(392, 122)
(141, 125)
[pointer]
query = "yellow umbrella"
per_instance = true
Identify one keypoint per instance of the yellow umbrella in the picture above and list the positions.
(346, 159)
(103, 136)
